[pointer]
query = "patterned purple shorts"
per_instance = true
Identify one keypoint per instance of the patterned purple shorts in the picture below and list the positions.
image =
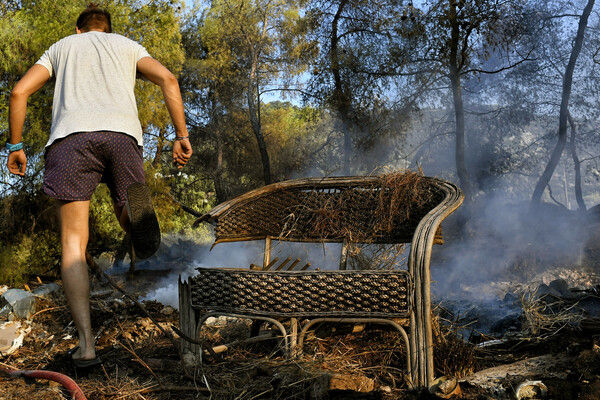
(77, 164)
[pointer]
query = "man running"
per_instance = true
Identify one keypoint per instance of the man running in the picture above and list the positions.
(96, 137)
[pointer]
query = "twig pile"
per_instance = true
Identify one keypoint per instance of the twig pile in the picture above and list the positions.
(544, 319)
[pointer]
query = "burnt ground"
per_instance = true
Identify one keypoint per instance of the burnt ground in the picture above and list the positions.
(141, 362)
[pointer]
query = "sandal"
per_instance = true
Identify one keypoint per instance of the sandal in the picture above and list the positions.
(81, 363)
(87, 363)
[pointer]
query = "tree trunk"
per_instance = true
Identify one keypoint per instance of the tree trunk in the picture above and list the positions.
(577, 166)
(459, 112)
(220, 188)
(564, 107)
(254, 113)
(341, 99)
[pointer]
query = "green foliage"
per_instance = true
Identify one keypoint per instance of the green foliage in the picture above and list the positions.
(171, 216)
(28, 235)
(354, 72)
(15, 269)
(45, 254)
(235, 51)
(294, 136)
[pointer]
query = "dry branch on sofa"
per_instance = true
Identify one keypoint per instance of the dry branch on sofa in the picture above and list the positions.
(388, 209)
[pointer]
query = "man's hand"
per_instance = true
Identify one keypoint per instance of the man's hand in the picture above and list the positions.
(182, 151)
(17, 162)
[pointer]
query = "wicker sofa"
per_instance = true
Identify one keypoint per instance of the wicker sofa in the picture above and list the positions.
(387, 209)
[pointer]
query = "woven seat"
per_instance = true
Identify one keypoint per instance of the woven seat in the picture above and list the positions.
(303, 293)
(402, 208)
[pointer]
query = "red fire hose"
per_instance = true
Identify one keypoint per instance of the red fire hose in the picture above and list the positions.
(68, 383)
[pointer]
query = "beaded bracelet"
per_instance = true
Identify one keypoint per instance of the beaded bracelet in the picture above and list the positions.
(181, 137)
(14, 147)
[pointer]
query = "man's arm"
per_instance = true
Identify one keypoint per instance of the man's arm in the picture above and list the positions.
(33, 80)
(156, 73)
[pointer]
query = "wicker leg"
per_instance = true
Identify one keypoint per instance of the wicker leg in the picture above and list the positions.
(187, 318)
(293, 336)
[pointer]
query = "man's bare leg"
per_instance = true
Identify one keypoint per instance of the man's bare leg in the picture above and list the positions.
(122, 217)
(73, 219)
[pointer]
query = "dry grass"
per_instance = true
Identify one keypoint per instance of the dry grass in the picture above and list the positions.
(400, 194)
(452, 356)
(361, 214)
(543, 318)
(376, 355)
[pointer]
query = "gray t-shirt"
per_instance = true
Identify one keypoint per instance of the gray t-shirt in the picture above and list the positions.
(95, 76)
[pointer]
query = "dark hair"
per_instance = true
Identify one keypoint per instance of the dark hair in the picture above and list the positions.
(94, 17)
